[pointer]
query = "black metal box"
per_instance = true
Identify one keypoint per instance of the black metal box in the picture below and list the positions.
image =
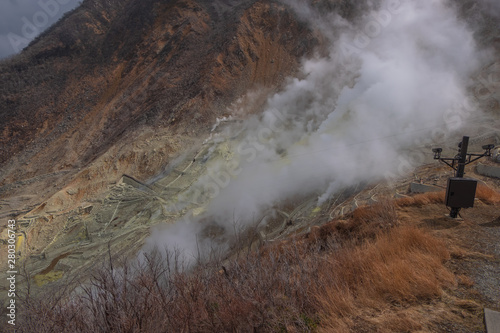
(461, 192)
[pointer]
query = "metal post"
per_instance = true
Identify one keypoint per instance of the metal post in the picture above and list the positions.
(463, 157)
(461, 168)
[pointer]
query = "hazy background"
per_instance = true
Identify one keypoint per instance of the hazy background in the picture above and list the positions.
(14, 14)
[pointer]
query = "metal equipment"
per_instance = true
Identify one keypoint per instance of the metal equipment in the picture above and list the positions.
(460, 192)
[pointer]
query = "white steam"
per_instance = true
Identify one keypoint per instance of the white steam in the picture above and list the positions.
(391, 81)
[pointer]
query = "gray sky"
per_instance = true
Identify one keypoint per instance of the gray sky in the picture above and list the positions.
(22, 20)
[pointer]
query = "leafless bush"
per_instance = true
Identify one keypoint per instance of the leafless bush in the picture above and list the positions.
(254, 293)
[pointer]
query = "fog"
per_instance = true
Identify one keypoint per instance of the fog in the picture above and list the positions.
(395, 79)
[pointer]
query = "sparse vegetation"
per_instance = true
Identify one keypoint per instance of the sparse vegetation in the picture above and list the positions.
(483, 193)
(422, 199)
(120, 86)
(339, 276)
(487, 195)
(402, 266)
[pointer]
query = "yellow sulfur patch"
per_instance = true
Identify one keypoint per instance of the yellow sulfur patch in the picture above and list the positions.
(198, 211)
(315, 211)
(43, 279)
(19, 243)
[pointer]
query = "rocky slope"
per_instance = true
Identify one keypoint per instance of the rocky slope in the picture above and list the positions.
(134, 87)
(108, 78)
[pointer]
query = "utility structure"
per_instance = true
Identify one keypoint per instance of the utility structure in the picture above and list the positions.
(460, 192)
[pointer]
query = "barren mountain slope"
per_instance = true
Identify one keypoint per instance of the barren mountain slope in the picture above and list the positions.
(94, 86)
(110, 117)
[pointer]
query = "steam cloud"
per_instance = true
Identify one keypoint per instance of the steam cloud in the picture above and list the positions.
(396, 77)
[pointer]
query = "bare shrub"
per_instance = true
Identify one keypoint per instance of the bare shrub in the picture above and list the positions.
(262, 293)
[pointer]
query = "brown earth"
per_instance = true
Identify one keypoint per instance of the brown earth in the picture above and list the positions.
(124, 87)
(101, 105)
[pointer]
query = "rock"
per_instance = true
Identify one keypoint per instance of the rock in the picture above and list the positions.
(488, 171)
(495, 155)
(492, 320)
(72, 191)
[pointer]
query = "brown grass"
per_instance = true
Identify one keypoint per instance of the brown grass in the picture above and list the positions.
(402, 266)
(465, 281)
(483, 192)
(365, 222)
(422, 199)
(487, 195)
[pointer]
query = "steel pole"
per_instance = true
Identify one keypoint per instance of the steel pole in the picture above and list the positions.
(461, 169)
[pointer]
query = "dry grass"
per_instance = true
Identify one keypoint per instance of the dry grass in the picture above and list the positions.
(402, 266)
(422, 199)
(365, 222)
(465, 281)
(487, 195)
(346, 276)
(483, 192)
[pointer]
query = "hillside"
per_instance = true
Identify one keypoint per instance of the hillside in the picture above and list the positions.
(394, 266)
(261, 145)
(82, 92)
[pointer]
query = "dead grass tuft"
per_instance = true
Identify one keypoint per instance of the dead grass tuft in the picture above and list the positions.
(469, 305)
(402, 266)
(465, 281)
(365, 222)
(381, 215)
(400, 321)
(422, 199)
(487, 195)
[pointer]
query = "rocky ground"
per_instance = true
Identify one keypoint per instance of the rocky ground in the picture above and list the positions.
(59, 242)
(102, 151)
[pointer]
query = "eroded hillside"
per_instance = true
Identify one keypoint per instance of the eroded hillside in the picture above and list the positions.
(96, 97)
(128, 118)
